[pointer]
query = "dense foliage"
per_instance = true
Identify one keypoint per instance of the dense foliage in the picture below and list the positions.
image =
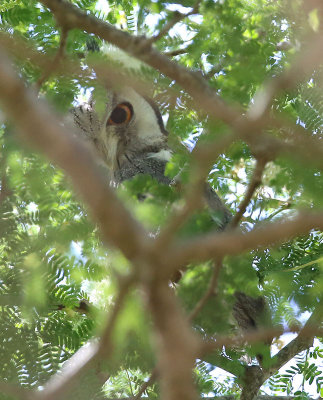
(58, 280)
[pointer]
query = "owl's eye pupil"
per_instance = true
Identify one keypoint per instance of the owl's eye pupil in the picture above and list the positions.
(121, 114)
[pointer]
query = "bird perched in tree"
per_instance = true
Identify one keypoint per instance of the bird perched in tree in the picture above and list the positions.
(130, 136)
(131, 139)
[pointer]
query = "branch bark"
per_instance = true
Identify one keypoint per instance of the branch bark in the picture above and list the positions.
(177, 345)
(56, 61)
(176, 17)
(303, 341)
(231, 243)
(253, 185)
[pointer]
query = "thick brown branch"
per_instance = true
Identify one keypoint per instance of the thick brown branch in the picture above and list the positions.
(38, 125)
(255, 377)
(232, 243)
(252, 382)
(177, 344)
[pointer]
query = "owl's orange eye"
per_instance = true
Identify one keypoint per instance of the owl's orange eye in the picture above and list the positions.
(122, 114)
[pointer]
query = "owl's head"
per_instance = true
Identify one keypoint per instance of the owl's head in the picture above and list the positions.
(130, 129)
(131, 126)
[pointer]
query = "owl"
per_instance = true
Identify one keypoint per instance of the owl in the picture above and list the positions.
(130, 139)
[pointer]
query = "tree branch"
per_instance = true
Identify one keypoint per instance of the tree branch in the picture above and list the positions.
(303, 341)
(146, 385)
(308, 58)
(176, 17)
(37, 125)
(88, 356)
(174, 53)
(253, 185)
(231, 243)
(56, 61)
(211, 291)
(177, 344)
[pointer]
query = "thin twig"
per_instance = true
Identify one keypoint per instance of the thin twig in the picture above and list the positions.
(130, 384)
(52, 66)
(211, 291)
(253, 185)
(176, 17)
(174, 53)
(284, 207)
(304, 340)
(214, 70)
(301, 67)
(85, 358)
(146, 385)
